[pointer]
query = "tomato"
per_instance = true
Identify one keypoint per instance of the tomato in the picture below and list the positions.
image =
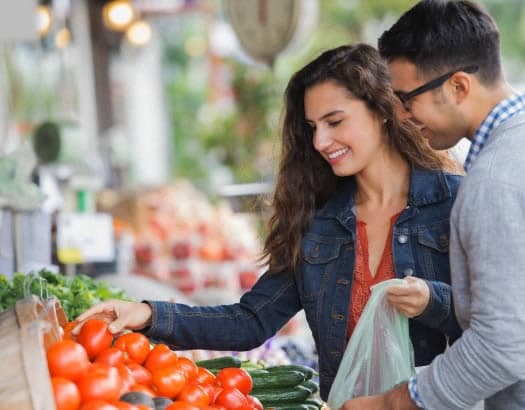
(168, 381)
(160, 356)
(143, 389)
(101, 382)
(235, 377)
(231, 398)
(204, 376)
(189, 367)
(122, 405)
(95, 337)
(180, 405)
(126, 378)
(194, 394)
(65, 393)
(212, 391)
(97, 405)
(139, 373)
(111, 356)
(67, 359)
(254, 402)
(135, 347)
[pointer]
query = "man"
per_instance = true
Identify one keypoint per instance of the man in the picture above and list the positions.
(444, 58)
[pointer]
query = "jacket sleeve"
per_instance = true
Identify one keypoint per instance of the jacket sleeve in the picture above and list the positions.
(260, 313)
(488, 259)
(439, 313)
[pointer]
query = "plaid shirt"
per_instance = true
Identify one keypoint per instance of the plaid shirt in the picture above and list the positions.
(500, 113)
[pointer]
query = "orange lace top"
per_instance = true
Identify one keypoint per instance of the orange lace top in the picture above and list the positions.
(363, 279)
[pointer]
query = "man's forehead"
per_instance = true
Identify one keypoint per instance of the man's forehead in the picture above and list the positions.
(404, 74)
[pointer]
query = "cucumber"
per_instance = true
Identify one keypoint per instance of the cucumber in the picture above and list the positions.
(314, 401)
(277, 379)
(308, 371)
(290, 395)
(257, 372)
(289, 406)
(311, 385)
(220, 363)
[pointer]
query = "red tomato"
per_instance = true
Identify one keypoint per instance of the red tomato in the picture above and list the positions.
(188, 366)
(135, 347)
(143, 389)
(111, 357)
(160, 356)
(231, 398)
(139, 373)
(168, 381)
(65, 393)
(95, 337)
(212, 391)
(67, 359)
(204, 376)
(235, 377)
(254, 402)
(97, 405)
(101, 382)
(122, 405)
(180, 405)
(194, 394)
(126, 378)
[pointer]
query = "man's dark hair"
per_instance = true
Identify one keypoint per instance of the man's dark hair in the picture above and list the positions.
(443, 35)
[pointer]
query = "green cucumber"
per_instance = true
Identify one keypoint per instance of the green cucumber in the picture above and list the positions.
(308, 371)
(290, 395)
(257, 372)
(277, 379)
(288, 406)
(314, 401)
(220, 363)
(311, 385)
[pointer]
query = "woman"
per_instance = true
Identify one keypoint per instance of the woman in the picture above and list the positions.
(360, 198)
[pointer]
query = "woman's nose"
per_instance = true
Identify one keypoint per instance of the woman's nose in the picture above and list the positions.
(321, 140)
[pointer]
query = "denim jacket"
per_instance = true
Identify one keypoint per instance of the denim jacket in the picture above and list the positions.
(322, 285)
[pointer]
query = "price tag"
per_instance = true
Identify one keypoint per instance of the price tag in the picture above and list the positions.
(85, 238)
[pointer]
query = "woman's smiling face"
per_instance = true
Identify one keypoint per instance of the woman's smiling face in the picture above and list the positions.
(345, 132)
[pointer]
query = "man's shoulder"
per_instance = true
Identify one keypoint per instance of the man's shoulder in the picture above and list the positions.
(502, 158)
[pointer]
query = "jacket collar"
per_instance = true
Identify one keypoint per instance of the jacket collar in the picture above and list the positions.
(426, 187)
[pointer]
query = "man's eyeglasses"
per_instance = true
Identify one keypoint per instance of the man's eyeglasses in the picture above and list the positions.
(431, 85)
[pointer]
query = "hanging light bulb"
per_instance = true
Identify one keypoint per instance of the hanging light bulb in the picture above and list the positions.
(139, 33)
(118, 14)
(44, 19)
(63, 38)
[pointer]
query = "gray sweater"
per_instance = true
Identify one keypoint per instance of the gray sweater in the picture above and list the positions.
(487, 251)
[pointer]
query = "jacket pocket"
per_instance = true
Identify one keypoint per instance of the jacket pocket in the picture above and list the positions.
(433, 252)
(319, 256)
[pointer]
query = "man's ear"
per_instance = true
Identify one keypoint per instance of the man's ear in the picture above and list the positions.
(461, 86)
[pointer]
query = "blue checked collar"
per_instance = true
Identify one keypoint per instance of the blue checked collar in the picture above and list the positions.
(499, 114)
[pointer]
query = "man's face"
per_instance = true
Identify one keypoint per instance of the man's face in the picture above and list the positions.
(432, 111)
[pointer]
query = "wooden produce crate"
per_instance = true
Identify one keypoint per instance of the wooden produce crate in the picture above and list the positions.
(26, 331)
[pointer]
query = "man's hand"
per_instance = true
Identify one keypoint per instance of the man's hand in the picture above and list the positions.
(396, 399)
(410, 298)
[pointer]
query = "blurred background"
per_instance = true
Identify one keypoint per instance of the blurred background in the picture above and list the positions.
(139, 139)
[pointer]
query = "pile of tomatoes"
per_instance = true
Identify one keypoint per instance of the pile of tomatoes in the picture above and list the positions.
(95, 370)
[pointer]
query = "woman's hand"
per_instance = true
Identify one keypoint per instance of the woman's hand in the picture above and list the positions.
(410, 298)
(120, 315)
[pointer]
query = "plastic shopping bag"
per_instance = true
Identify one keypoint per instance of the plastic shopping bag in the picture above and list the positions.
(379, 354)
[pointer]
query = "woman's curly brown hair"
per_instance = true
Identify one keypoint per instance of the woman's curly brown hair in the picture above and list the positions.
(305, 181)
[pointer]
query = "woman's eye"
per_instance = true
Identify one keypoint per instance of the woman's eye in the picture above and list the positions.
(333, 124)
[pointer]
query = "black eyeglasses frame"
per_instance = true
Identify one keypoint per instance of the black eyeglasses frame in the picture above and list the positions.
(432, 84)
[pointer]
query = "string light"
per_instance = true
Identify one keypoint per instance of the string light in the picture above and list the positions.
(118, 14)
(139, 33)
(43, 20)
